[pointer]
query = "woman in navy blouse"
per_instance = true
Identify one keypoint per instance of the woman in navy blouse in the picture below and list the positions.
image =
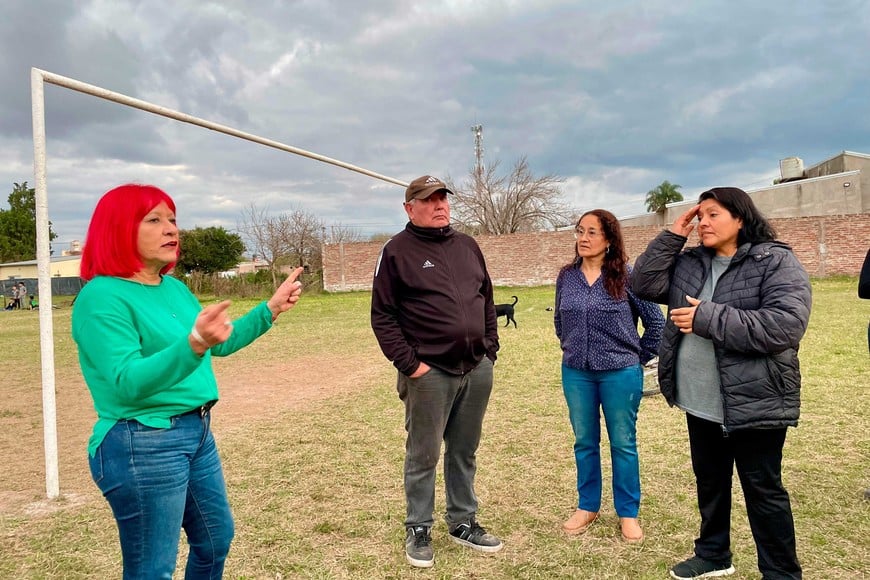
(602, 353)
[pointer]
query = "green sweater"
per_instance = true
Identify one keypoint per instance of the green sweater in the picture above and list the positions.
(134, 351)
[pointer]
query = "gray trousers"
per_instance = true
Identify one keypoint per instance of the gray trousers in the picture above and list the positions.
(440, 406)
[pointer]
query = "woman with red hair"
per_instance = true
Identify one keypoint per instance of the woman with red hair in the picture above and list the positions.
(145, 346)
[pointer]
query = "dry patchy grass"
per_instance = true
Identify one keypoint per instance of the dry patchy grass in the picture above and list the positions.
(311, 433)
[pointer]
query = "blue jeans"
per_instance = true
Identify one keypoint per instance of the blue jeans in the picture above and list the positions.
(618, 394)
(158, 481)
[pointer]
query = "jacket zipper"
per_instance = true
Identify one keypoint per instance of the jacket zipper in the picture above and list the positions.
(715, 353)
(458, 301)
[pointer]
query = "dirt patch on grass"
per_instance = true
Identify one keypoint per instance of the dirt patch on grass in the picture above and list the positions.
(266, 391)
(250, 392)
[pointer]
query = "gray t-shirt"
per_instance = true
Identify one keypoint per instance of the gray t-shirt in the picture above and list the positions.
(698, 386)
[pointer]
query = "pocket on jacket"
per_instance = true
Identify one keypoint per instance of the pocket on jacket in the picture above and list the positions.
(782, 372)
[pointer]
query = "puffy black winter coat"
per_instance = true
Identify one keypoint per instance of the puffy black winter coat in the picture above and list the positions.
(756, 319)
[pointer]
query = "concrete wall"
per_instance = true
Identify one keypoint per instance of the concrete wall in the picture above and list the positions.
(845, 162)
(838, 194)
(825, 217)
(63, 267)
(825, 245)
(837, 186)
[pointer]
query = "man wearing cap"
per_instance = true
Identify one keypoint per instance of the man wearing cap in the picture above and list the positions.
(434, 318)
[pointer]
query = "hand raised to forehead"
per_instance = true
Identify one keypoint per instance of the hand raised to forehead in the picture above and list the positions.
(683, 225)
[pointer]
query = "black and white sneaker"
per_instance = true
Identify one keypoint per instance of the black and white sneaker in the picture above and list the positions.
(471, 534)
(418, 547)
(696, 567)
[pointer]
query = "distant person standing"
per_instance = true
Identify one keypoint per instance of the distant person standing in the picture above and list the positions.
(16, 303)
(434, 317)
(22, 294)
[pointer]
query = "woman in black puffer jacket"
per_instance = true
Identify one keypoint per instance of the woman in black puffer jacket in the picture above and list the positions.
(738, 306)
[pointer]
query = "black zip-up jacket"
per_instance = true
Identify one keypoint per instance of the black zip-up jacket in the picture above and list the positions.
(757, 316)
(432, 301)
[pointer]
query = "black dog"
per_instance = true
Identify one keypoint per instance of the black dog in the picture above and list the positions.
(507, 310)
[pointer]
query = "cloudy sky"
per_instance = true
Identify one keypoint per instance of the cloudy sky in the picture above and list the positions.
(613, 96)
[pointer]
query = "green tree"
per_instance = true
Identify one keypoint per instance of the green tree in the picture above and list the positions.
(661, 196)
(18, 225)
(209, 250)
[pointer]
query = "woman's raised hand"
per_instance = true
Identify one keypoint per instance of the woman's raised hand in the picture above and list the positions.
(683, 225)
(287, 294)
(212, 326)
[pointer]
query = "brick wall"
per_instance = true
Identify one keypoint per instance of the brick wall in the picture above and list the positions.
(825, 245)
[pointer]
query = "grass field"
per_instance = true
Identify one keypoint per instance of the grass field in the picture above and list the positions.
(311, 433)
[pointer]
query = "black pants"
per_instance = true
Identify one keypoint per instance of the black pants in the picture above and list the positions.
(758, 456)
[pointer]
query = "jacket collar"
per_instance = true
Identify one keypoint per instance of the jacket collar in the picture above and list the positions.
(431, 234)
(757, 251)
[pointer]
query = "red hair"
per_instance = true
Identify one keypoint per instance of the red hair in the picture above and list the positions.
(112, 243)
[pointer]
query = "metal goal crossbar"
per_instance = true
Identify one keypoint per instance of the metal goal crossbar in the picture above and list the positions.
(38, 78)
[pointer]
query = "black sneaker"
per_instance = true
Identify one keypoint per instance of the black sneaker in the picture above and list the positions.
(418, 547)
(696, 567)
(472, 535)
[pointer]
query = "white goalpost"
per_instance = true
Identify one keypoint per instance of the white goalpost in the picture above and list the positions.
(38, 78)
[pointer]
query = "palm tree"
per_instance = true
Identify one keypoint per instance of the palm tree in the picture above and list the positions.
(661, 196)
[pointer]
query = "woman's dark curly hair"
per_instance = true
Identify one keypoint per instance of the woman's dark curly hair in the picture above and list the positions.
(614, 268)
(738, 203)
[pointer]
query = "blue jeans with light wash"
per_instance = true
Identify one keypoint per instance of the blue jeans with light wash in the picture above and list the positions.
(158, 481)
(617, 393)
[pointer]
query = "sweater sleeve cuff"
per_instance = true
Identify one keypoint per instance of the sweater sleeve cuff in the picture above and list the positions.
(265, 312)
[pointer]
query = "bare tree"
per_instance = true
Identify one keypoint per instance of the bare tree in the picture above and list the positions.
(339, 233)
(265, 236)
(489, 203)
(286, 239)
(302, 237)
